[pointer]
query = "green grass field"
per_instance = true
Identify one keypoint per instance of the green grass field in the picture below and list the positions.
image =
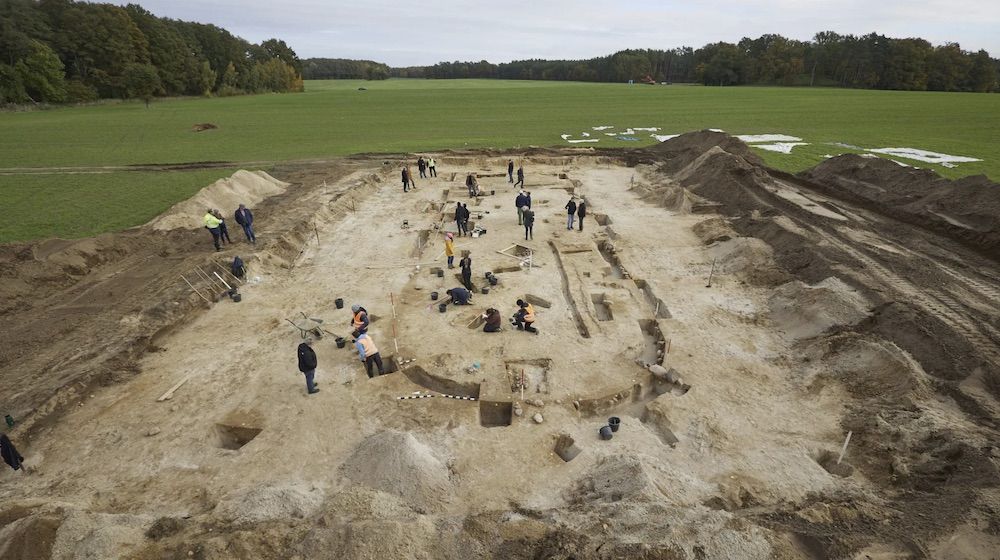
(334, 118)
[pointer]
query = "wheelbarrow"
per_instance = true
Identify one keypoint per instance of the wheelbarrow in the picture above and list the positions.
(308, 326)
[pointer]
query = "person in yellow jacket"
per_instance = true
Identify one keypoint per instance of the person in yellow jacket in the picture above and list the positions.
(213, 224)
(369, 354)
(525, 317)
(449, 248)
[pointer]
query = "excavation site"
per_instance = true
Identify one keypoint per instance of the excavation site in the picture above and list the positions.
(731, 362)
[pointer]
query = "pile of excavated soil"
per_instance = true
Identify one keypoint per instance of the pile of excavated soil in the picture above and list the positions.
(869, 368)
(748, 258)
(803, 311)
(244, 187)
(678, 152)
(966, 209)
(253, 505)
(397, 463)
(714, 230)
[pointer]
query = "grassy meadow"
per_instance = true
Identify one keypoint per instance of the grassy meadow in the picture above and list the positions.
(334, 118)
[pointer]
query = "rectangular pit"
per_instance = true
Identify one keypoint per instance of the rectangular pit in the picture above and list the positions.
(536, 373)
(601, 307)
(235, 437)
(495, 414)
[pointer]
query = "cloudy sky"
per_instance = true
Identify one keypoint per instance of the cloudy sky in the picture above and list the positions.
(429, 31)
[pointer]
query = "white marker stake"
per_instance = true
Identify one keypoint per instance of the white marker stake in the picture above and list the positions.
(844, 449)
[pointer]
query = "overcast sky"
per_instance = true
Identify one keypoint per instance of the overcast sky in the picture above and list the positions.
(429, 31)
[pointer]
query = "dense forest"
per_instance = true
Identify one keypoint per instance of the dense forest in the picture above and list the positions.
(871, 61)
(343, 69)
(64, 51)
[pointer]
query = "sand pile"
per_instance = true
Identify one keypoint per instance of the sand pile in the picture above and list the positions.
(397, 463)
(749, 259)
(612, 479)
(870, 368)
(967, 209)
(668, 195)
(244, 187)
(804, 311)
(253, 505)
(714, 230)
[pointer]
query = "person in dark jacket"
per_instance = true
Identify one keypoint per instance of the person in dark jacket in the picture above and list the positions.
(570, 212)
(422, 167)
(520, 176)
(529, 223)
(9, 453)
(581, 212)
(460, 296)
(464, 224)
(521, 202)
(493, 320)
(244, 217)
(510, 171)
(459, 217)
(527, 197)
(307, 364)
(405, 174)
(223, 230)
(466, 264)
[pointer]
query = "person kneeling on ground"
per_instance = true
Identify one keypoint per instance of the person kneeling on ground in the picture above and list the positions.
(369, 354)
(525, 317)
(359, 321)
(493, 320)
(307, 364)
(460, 296)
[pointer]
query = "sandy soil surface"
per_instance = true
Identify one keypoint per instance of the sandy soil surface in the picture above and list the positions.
(778, 317)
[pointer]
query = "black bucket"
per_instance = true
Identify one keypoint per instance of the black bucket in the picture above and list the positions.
(488, 274)
(605, 432)
(339, 302)
(494, 280)
(442, 307)
(434, 296)
(341, 342)
(236, 297)
(440, 273)
(614, 422)
(485, 290)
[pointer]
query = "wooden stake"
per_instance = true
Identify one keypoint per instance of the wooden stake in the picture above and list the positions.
(228, 287)
(170, 393)
(316, 231)
(668, 345)
(228, 273)
(196, 290)
(844, 448)
(711, 274)
(205, 276)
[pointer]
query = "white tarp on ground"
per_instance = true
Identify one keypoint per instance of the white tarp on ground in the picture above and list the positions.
(664, 137)
(602, 127)
(923, 155)
(761, 138)
(581, 141)
(781, 147)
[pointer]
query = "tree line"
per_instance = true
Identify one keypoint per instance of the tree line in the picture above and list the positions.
(57, 51)
(343, 69)
(870, 61)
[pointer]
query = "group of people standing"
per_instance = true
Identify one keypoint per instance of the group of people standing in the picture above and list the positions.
(510, 173)
(216, 225)
(579, 210)
(426, 167)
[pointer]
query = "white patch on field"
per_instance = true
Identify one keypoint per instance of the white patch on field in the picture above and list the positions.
(611, 134)
(948, 165)
(581, 141)
(762, 138)
(780, 147)
(602, 127)
(848, 146)
(923, 155)
(663, 137)
(828, 156)
(716, 130)
(585, 134)
(899, 163)
(647, 129)
(565, 136)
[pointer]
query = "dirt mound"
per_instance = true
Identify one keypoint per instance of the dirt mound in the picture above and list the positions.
(713, 230)
(804, 311)
(668, 195)
(678, 152)
(30, 537)
(397, 463)
(295, 501)
(967, 209)
(749, 259)
(870, 368)
(613, 479)
(244, 187)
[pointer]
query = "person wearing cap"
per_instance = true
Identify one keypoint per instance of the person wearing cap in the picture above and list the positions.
(525, 317)
(307, 364)
(369, 354)
(359, 321)
(460, 296)
(212, 225)
(449, 248)
(244, 217)
(570, 212)
(521, 202)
